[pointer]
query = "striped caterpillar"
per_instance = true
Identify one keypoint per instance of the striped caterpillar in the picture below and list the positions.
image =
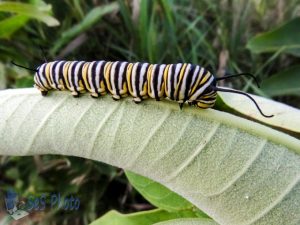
(181, 82)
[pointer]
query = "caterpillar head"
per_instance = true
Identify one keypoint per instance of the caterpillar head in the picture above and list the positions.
(40, 80)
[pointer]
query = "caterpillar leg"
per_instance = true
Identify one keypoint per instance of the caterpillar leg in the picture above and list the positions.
(181, 105)
(44, 93)
(116, 97)
(94, 95)
(137, 100)
(75, 94)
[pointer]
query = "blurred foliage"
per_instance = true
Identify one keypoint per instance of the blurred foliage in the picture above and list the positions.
(208, 32)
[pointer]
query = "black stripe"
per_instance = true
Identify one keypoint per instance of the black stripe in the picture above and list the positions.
(116, 78)
(155, 81)
(80, 76)
(137, 78)
(102, 74)
(123, 75)
(52, 74)
(93, 70)
(189, 82)
(172, 81)
(61, 73)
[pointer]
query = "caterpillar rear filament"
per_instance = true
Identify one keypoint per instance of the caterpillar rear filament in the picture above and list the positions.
(181, 82)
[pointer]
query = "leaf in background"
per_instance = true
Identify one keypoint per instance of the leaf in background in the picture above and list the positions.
(10, 25)
(192, 221)
(23, 82)
(141, 218)
(235, 170)
(38, 12)
(285, 38)
(285, 117)
(2, 77)
(158, 195)
(286, 82)
(88, 21)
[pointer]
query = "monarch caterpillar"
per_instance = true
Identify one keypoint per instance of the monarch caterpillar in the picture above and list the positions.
(181, 82)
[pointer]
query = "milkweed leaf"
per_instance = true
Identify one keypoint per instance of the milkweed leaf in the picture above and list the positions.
(235, 170)
(141, 218)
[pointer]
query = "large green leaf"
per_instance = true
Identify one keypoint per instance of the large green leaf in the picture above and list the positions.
(10, 25)
(235, 170)
(159, 195)
(286, 82)
(38, 12)
(140, 218)
(284, 38)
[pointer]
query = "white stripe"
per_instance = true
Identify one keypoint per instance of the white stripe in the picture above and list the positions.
(177, 71)
(98, 70)
(160, 79)
(121, 78)
(89, 76)
(133, 77)
(70, 75)
(57, 72)
(76, 73)
(51, 80)
(151, 91)
(112, 77)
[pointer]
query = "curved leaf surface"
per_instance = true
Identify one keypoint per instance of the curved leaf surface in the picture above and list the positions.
(285, 117)
(189, 221)
(235, 170)
(140, 218)
(158, 195)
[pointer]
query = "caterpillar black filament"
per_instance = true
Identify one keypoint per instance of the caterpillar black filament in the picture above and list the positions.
(181, 82)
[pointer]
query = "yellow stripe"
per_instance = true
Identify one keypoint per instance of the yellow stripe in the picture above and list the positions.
(203, 105)
(205, 78)
(107, 75)
(47, 70)
(128, 76)
(85, 76)
(81, 89)
(182, 71)
(65, 74)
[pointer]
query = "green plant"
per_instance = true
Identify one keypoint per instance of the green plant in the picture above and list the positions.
(235, 170)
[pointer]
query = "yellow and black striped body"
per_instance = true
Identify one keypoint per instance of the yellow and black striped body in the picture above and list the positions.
(181, 82)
